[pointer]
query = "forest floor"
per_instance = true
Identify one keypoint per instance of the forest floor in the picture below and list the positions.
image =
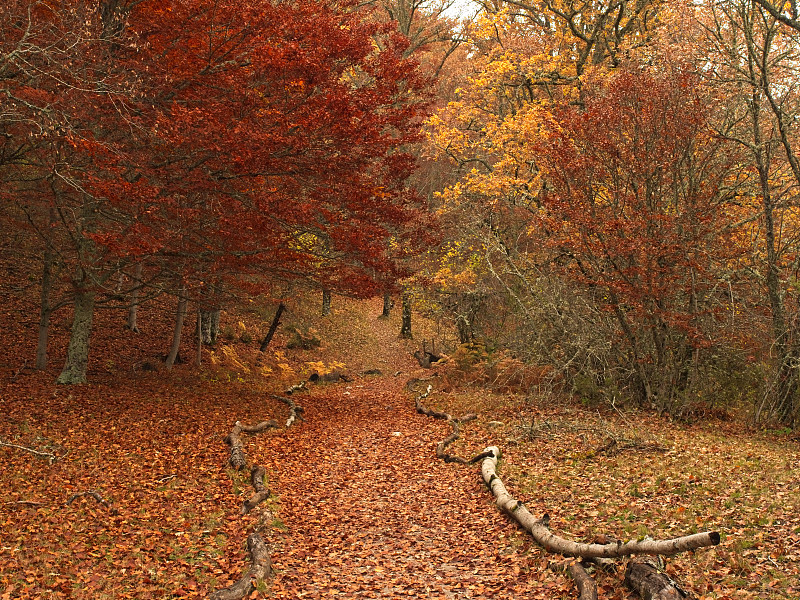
(360, 506)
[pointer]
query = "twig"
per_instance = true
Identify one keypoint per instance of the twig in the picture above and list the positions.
(94, 494)
(51, 458)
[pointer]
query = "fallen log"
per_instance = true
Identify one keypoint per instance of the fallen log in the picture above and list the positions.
(650, 583)
(238, 459)
(587, 588)
(260, 569)
(549, 541)
(295, 410)
(441, 447)
(257, 475)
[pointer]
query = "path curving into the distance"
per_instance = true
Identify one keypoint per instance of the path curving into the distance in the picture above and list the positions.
(372, 513)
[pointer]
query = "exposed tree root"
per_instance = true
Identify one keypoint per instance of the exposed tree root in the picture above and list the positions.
(538, 529)
(295, 410)
(651, 583)
(260, 569)
(96, 496)
(51, 458)
(257, 475)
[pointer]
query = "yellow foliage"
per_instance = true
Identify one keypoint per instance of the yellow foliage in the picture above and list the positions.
(232, 358)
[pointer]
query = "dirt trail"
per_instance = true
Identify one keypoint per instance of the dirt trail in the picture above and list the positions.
(372, 513)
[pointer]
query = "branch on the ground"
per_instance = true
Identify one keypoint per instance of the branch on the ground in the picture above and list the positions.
(258, 428)
(538, 528)
(614, 446)
(441, 448)
(257, 475)
(51, 458)
(295, 410)
(649, 581)
(296, 388)
(96, 495)
(260, 569)
(587, 588)
(238, 459)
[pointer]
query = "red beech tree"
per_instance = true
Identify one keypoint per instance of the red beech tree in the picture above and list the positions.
(221, 140)
(632, 207)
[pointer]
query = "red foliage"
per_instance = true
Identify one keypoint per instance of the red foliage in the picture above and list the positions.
(636, 179)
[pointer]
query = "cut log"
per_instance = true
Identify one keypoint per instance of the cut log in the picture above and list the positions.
(257, 475)
(650, 583)
(260, 569)
(538, 529)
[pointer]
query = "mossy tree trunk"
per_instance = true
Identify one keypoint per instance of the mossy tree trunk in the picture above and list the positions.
(77, 362)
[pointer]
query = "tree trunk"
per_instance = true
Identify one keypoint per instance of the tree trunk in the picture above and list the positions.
(77, 362)
(199, 332)
(405, 328)
(45, 310)
(326, 303)
(134, 305)
(387, 305)
(176, 336)
(273, 327)
(209, 320)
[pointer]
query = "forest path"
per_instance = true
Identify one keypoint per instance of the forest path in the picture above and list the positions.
(372, 513)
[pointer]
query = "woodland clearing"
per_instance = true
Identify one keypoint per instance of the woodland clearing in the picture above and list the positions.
(360, 505)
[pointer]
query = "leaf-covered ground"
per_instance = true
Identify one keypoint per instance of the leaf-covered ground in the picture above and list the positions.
(361, 507)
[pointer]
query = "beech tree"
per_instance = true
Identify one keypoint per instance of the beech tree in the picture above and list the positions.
(220, 138)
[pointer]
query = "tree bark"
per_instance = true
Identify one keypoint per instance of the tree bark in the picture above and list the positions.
(326, 303)
(273, 327)
(209, 320)
(405, 328)
(260, 569)
(538, 528)
(257, 475)
(77, 362)
(650, 584)
(587, 588)
(199, 332)
(176, 336)
(45, 309)
(133, 307)
(387, 305)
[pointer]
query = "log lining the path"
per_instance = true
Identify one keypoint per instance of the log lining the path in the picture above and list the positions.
(549, 541)
(295, 410)
(260, 569)
(641, 576)
(441, 447)
(257, 475)
(238, 459)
